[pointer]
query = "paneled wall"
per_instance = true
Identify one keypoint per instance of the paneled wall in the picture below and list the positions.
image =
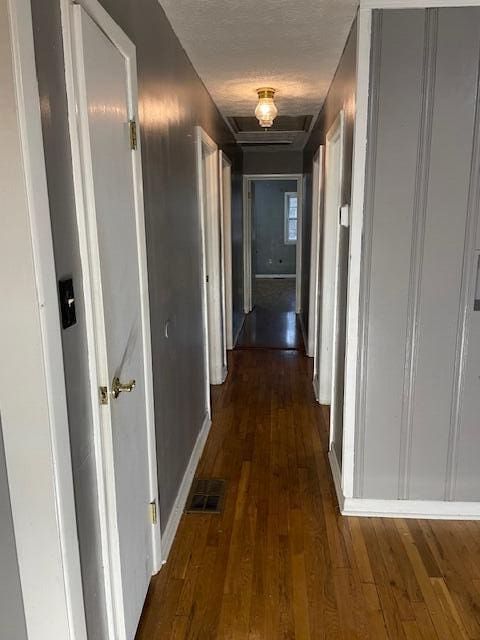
(419, 414)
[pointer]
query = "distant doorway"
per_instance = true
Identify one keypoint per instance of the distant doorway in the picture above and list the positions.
(272, 231)
(273, 225)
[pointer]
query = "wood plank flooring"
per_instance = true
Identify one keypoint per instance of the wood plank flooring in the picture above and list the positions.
(280, 562)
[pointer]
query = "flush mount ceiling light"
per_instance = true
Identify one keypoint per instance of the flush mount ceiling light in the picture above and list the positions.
(266, 111)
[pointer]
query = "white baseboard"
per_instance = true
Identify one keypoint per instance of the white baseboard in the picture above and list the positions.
(222, 376)
(177, 511)
(421, 509)
(274, 276)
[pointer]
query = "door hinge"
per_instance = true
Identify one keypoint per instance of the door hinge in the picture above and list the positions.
(153, 512)
(103, 395)
(133, 134)
(207, 278)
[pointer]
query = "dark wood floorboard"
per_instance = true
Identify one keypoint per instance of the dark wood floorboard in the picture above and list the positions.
(272, 324)
(270, 329)
(280, 562)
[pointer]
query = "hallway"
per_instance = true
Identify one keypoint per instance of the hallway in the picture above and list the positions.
(280, 562)
(272, 324)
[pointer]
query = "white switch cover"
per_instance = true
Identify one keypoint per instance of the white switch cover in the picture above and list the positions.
(345, 215)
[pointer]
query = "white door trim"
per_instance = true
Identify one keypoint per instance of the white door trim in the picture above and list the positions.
(327, 312)
(215, 354)
(50, 578)
(225, 168)
(353, 353)
(95, 334)
(339, 125)
(317, 204)
(247, 236)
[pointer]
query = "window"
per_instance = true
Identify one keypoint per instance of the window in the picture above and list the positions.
(291, 209)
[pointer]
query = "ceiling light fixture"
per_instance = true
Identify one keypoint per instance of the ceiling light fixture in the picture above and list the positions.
(266, 111)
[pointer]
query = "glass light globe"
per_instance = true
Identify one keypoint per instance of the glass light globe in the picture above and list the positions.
(266, 111)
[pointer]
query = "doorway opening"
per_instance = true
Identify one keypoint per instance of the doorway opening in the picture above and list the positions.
(272, 262)
(332, 280)
(212, 271)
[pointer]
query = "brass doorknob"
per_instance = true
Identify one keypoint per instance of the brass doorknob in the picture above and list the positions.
(118, 387)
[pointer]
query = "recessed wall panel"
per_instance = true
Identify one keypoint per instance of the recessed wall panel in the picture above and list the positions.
(394, 131)
(448, 165)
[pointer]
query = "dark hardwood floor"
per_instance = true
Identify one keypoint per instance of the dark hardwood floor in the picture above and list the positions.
(272, 324)
(280, 562)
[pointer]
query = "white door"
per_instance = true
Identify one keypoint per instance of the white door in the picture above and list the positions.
(208, 176)
(317, 178)
(328, 262)
(225, 168)
(105, 109)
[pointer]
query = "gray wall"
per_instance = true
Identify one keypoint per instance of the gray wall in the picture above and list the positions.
(271, 254)
(273, 161)
(172, 100)
(418, 434)
(341, 95)
(12, 616)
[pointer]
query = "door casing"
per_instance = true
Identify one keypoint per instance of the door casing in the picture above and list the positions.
(215, 354)
(317, 209)
(328, 266)
(225, 182)
(247, 236)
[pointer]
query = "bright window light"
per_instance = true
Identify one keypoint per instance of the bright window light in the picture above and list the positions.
(291, 217)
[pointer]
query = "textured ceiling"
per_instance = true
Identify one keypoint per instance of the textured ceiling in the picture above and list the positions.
(237, 46)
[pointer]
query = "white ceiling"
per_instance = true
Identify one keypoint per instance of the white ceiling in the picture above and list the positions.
(237, 46)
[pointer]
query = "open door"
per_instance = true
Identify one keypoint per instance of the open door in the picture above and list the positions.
(108, 182)
(225, 182)
(212, 259)
(332, 299)
(317, 202)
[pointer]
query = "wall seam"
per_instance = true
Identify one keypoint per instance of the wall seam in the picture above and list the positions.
(461, 345)
(417, 249)
(366, 261)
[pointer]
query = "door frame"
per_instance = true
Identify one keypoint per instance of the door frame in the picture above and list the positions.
(215, 360)
(317, 209)
(95, 328)
(325, 377)
(247, 236)
(50, 578)
(225, 177)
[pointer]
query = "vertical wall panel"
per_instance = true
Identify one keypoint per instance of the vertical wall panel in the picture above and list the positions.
(450, 158)
(422, 344)
(396, 124)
